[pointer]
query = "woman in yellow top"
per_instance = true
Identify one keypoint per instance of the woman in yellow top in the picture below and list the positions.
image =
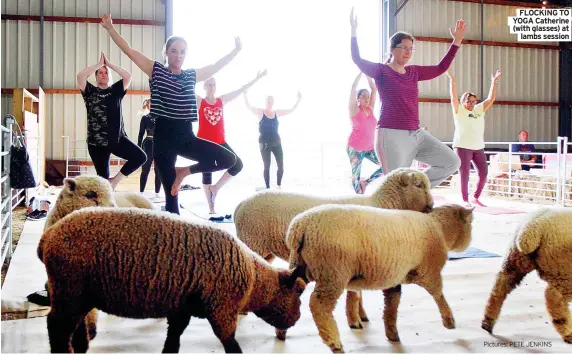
(469, 141)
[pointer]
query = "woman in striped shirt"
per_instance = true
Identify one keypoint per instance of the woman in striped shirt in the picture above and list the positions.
(174, 107)
(399, 137)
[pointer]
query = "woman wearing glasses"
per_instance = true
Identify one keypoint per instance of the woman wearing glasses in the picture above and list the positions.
(469, 141)
(399, 137)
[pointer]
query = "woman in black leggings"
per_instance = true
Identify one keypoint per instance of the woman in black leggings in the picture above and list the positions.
(147, 125)
(269, 139)
(174, 107)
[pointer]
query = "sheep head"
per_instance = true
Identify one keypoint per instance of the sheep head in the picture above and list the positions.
(405, 189)
(283, 310)
(456, 223)
(84, 191)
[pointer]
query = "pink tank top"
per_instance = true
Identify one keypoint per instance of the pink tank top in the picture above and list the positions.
(363, 131)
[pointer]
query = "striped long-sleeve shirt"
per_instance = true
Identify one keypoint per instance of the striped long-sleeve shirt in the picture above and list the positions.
(173, 96)
(399, 93)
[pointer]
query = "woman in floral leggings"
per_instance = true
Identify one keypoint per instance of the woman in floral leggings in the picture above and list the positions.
(361, 139)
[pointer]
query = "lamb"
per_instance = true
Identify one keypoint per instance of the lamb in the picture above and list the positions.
(138, 263)
(543, 243)
(84, 191)
(262, 220)
(359, 247)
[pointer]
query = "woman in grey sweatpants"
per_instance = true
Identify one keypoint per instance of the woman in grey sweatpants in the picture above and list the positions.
(400, 140)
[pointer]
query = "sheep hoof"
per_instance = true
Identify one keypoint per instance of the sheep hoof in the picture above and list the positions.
(336, 349)
(568, 338)
(449, 322)
(356, 325)
(243, 313)
(488, 324)
(393, 338)
(364, 319)
(281, 333)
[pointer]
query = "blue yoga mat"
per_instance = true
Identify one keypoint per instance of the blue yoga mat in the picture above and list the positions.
(472, 252)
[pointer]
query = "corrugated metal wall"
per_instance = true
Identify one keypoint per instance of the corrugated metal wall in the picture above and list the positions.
(70, 47)
(528, 74)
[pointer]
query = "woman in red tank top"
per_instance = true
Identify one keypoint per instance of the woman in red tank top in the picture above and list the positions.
(211, 128)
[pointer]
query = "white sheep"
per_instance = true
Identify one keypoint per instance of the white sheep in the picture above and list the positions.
(262, 220)
(542, 242)
(138, 263)
(358, 248)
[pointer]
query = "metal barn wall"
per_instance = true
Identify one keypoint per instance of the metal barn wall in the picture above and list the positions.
(529, 74)
(69, 47)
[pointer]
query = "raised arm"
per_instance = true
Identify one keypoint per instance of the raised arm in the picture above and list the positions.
(432, 71)
(493, 91)
(144, 63)
(125, 75)
(84, 74)
(209, 70)
(453, 92)
(373, 90)
(257, 111)
(283, 112)
(366, 67)
(234, 94)
(352, 106)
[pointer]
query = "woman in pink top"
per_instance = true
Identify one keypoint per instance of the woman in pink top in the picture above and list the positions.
(360, 142)
(399, 137)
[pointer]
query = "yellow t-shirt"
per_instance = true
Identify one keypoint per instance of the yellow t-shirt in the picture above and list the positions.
(469, 127)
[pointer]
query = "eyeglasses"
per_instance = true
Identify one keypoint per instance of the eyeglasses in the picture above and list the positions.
(412, 49)
(471, 102)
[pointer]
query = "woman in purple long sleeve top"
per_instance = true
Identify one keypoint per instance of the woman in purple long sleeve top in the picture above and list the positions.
(399, 137)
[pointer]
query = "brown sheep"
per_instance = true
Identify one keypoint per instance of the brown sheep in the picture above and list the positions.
(543, 242)
(358, 248)
(139, 263)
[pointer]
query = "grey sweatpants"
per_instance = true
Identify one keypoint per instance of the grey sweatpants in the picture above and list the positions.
(398, 148)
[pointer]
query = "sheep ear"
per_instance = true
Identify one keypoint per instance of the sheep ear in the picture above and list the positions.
(464, 213)
(406, 179)
(298, 272)
(70, 184)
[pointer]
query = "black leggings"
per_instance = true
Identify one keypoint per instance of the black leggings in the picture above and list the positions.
(265, 151)
(233, 171)
(174, 138)
(125, 149)
(147, 146)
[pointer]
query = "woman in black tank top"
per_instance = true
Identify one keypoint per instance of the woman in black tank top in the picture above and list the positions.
(269, 138)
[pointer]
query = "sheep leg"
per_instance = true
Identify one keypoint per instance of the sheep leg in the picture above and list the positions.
(177, 323)
(362, 314)
(558, 309)
(392, 297)
(352, 309)
(515, 267)
(61, 327)
(223, 323)
(435, 288)
(322, 304)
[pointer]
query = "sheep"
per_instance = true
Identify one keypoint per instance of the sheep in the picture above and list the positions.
(84, 191)
(542, 242)
(262, 220)
(139, 263)
(358, 247)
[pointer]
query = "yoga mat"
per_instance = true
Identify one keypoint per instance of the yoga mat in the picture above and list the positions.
(471, 252)
(497, 211)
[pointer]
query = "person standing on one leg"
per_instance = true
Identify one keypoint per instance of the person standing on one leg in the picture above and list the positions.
(269, 139)
(105, 131)
(469, 141)
(360, 142)
(211, 128)
(147, 126)
(399, 138)
(174, 107)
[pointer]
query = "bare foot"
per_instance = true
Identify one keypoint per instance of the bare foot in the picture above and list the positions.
(475, 201)
(180, 174)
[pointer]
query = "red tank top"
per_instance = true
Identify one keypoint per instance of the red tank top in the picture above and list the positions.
(211, 121)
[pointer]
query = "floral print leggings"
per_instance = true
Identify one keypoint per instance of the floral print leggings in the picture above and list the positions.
(356, 158)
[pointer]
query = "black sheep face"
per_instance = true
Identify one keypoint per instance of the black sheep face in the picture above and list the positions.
(283, 311)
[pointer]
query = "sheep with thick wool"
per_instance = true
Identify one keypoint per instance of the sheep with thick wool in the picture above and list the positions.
(138, 263)
(262, 220)
(86, 191)
(359, 248)
(543, 242)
